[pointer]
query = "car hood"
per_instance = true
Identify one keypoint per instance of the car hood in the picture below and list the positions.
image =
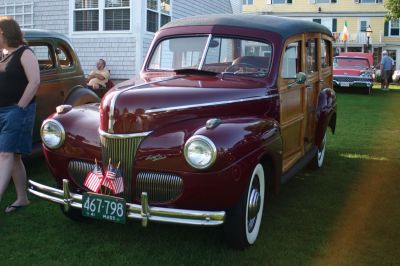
(151, 105)
(347, 71)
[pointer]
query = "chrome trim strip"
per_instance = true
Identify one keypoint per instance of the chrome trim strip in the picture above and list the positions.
(143, 212)
(123, 136)
(160, 187)
(203, 58)
(175, 108)
(111, 118)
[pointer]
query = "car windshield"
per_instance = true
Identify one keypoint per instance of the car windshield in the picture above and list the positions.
(359, 63)
(212, 54)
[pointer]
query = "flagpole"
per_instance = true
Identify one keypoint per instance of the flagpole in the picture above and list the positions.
(95, 161)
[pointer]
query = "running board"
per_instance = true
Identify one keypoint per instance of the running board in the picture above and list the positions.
(299, 165)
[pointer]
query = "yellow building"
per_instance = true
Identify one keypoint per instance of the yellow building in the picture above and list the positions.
(359, 15)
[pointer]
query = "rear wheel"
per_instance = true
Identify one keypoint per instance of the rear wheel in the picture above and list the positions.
(319, 157)
(243, 221)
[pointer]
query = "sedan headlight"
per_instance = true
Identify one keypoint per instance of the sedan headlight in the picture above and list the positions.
(200, 152)
(52, 133)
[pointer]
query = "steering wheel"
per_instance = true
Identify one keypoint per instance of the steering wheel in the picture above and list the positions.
(237, 67)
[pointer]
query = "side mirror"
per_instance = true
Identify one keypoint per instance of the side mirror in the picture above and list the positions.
(301, 78)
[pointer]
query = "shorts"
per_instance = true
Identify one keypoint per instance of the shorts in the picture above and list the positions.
(16, 128)
(386, 75)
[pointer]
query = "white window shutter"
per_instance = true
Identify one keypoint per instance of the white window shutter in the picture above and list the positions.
(312, 1)
(269, 2)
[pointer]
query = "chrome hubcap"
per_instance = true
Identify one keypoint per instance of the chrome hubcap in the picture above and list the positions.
(254, 204)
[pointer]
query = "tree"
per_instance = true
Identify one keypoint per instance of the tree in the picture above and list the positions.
(393, 7)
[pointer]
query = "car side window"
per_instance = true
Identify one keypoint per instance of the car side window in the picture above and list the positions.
(291, 64)
(325, 54)
(44, 55)
(64, 57)
(311, 59)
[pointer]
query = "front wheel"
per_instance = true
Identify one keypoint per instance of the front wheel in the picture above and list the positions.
(243, 221)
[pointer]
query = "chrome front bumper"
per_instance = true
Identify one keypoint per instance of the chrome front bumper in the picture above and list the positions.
(142, 212)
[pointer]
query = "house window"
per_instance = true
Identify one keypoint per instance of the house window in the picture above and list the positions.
(116, 15)
(330, 23)
(323, 1)
(22, 13)
(369, 1)
(158, 14)
(247, 2)
(102, 15)
(281, 1)
(363, 25)
(394, 29)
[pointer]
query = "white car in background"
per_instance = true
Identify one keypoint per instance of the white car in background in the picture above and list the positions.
(396, 76)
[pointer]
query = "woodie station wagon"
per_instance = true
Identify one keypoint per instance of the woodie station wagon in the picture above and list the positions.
(232, 106)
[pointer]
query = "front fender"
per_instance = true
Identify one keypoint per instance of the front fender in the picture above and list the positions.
(81, 95)
(81, 126)
(326, 114)
(241, 143)
(234, 138)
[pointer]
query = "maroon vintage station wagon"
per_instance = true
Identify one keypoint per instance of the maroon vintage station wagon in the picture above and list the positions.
(230, 108)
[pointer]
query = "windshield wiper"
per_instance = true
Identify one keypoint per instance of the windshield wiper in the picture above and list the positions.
(248, 74)
(191, 71)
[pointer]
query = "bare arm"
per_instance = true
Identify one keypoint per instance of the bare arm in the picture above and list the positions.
(31, 67)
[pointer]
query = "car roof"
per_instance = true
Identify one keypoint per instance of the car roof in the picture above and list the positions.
(37, 33)
(285, 27)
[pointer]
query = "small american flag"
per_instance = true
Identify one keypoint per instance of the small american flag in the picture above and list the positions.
(109, 179)
(113, 179)
(94, 178)
(119, 182)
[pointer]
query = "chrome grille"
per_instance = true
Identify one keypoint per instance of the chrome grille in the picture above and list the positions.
(351, 78)
(160, 187)
(79, 169)
(121, 148)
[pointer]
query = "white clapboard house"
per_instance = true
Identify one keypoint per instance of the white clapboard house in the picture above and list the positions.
(119, 31)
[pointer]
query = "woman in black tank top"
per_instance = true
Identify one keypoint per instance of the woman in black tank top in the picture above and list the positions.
(19, 81)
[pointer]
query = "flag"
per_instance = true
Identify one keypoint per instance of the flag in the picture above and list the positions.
(94, 178)
(119, 182)
(345, 33)
(109, 178)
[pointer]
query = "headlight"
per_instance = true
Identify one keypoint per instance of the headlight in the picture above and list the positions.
(200, 152)
(52, 133)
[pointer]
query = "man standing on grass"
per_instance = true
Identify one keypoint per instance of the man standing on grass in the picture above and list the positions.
(387, 65)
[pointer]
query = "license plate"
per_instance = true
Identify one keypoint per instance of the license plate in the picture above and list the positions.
(104, 207)
(345, 84)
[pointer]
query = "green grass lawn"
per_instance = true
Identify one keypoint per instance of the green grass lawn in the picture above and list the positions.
(347, 213)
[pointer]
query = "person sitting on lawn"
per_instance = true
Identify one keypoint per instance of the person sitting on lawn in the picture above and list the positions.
(98, 78)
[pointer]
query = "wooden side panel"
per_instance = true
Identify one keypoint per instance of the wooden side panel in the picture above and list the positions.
(292, 98)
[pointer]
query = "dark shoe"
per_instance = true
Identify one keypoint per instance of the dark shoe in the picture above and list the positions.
(13, 208)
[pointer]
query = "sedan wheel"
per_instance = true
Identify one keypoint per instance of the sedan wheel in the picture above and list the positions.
(320, 155)
(243, 221)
